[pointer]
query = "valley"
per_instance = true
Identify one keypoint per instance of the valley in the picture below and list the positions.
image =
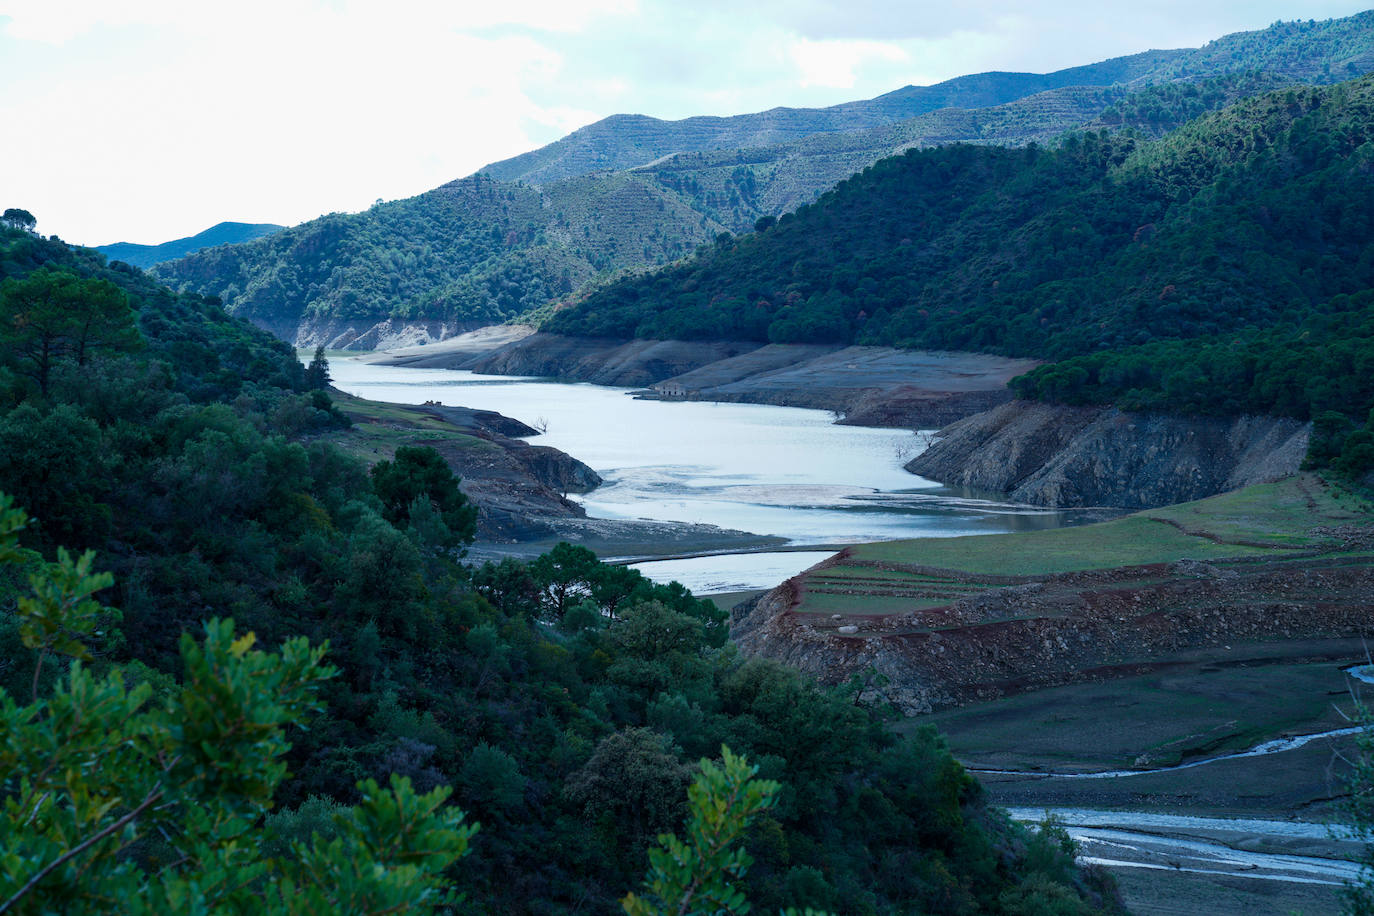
(1212, 627)
(961, 497)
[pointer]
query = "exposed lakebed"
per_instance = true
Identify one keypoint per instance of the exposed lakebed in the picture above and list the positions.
(780, 471)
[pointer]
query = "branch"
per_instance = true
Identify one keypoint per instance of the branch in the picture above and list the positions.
(78, 850)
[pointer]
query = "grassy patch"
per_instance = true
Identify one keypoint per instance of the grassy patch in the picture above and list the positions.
(1256, 521)
(1131, 541)
(379, 429)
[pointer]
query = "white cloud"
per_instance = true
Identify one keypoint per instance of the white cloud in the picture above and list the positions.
(148, 119)
(835, 63)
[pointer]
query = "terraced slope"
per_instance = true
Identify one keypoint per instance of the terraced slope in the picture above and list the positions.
(950, 621)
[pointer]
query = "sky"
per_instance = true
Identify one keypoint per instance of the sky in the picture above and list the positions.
(149, 120)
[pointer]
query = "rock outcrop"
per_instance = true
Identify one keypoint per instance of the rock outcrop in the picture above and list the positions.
(517, 487)
(363, 334)
(1051, 630)
(1052, 455)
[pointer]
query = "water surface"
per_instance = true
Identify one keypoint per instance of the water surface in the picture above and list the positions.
(780, 471)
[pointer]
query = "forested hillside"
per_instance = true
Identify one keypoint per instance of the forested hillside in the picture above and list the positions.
(1246, 233)
(473, 250)
(481, 251)
(564, 701)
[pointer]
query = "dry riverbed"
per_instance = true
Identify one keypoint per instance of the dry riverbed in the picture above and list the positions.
(1138, 667)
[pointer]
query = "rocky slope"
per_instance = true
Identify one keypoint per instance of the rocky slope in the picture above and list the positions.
(601, 361)
(1047, 631)
(517, 487)
(1052, 455)
(938, 626)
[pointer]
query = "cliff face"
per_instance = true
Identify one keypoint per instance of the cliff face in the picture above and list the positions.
(1051, 455)
(1053, 630)
(362, 334)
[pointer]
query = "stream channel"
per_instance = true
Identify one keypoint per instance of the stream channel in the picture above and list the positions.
(781, 471)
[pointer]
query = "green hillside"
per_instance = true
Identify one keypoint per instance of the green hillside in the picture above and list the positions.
(1253, 222)
(472, 250)
(480, 251)
(565, 702)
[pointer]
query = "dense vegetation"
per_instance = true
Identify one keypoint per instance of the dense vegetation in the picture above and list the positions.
(473, 250)
(1201, 272)
(562, 700)
(478, 250)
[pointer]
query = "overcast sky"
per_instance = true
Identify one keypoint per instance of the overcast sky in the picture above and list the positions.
(147, 120)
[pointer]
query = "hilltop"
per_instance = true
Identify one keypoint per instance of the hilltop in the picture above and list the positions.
(1302, 51)
(219, 234)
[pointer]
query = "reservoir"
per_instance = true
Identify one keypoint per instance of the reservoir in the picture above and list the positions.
(780, 471)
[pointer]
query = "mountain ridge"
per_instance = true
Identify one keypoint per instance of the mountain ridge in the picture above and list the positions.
(449, 257)
(769, 127)
(223, 233)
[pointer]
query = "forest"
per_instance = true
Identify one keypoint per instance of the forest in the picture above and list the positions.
(1239, 245)
(565, 704)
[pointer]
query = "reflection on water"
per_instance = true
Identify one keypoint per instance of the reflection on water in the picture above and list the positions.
(769, 470)
(739, 572)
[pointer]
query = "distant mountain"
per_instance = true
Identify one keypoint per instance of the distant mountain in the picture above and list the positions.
(473, 250)
(627, 141)
(146, 256)
(631, 193)
(1310, 52)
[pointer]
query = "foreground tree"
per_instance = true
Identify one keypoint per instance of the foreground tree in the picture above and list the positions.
(418, 489)
(136, 799)
(50, 316)
(317, 373)
(700, 876)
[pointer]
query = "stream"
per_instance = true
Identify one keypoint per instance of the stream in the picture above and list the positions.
(1278, 745)
(1205, 845)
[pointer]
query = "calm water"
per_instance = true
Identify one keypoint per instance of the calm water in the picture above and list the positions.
(768, 470)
